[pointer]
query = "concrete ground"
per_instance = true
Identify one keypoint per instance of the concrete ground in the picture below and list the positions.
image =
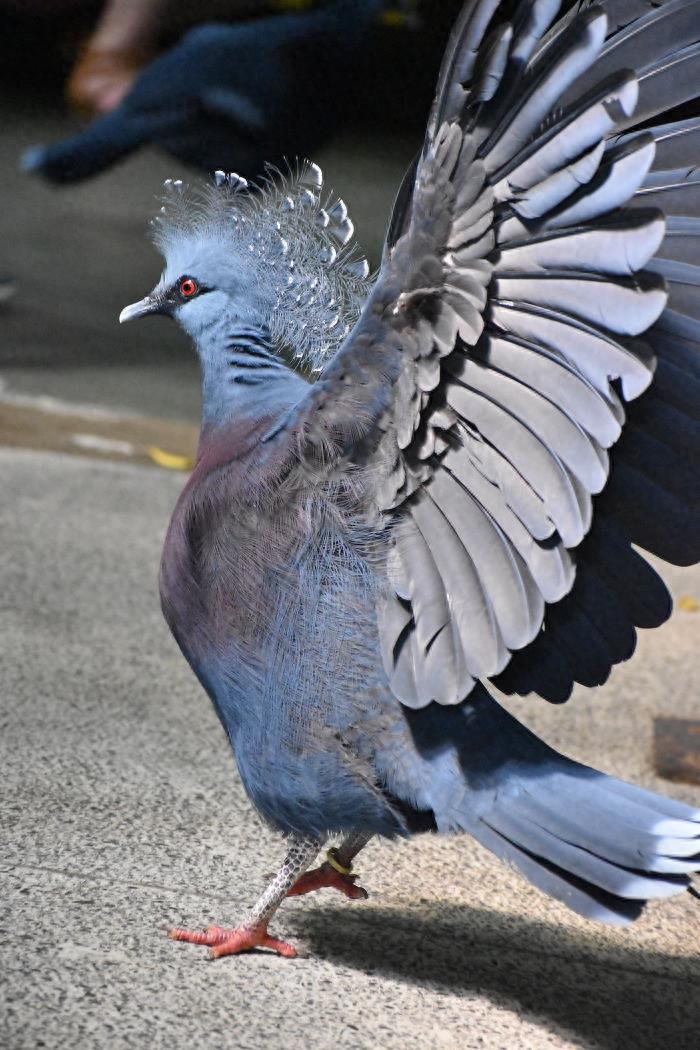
(122, 814)
(120, 809)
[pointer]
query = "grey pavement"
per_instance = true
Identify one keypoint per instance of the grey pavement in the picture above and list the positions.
(121, 813)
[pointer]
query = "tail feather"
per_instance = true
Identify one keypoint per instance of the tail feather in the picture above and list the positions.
(579, 895)
(606, 874)
(578, 833)
(606, 835)
(626, 803)
(598, 844)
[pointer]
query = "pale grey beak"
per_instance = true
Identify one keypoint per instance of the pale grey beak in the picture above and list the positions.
(149, 305)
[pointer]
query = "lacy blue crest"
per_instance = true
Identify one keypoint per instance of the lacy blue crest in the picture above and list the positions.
(306, 265)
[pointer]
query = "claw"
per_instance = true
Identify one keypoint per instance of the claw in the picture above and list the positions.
(222, 942)
(327, 876)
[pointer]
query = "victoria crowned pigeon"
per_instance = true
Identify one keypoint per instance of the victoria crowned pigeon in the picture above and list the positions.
(238, 94)
(438, 493)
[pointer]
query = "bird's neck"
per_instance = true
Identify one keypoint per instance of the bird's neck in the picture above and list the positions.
(242, 377)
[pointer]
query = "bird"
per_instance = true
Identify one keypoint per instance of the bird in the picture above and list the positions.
(233, 94)
(415, 483)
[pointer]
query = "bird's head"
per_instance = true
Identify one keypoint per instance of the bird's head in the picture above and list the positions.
(206, 276)
(272, 258)
(201, 283)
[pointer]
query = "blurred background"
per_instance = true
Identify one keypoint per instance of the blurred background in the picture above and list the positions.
(103, 101)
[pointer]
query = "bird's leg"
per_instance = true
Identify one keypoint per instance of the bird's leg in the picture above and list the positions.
(336, 870)
(252, 932)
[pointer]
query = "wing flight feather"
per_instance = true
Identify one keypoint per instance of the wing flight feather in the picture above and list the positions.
(521, 304)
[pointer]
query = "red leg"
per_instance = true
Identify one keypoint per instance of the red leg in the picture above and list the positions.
(252, 932)
(327, 876)
(231, 942)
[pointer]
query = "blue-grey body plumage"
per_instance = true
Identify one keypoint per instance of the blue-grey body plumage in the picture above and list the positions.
(447, 486)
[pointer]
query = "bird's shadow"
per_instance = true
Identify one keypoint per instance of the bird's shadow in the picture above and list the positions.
(613, 997)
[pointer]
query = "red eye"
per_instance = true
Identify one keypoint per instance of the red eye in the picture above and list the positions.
(188, 288)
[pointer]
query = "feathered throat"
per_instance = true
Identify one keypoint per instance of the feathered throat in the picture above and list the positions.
(304, 261)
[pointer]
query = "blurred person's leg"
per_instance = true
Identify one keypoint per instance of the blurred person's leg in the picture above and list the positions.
(235, 94)
(128, 35)
(124, 40)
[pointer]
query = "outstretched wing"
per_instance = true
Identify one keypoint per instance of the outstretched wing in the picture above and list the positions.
(486, 378)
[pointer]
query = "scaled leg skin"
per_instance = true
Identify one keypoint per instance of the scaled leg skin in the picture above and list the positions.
(336, 871)
(252, 932)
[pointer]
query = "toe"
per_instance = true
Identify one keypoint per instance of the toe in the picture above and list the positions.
(281, 947)
(246, 939)
(355, 893)
(212, 935)
(327, 877)
(232, 942)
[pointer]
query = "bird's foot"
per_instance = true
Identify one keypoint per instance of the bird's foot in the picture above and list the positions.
(221, 941)
(327, 875)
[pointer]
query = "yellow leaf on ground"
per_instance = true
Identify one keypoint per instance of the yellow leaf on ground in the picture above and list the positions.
(169, 460)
